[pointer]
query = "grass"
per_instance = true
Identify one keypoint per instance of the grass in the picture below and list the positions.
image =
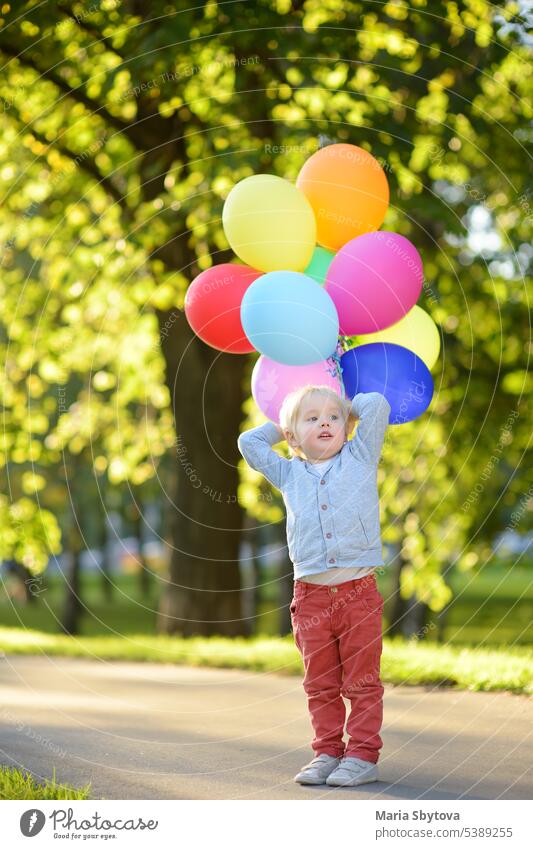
(19, 784)
(479, 669)
(488, 644)
(492, 608)
(403, 662)
(489, 633)
(129, 610)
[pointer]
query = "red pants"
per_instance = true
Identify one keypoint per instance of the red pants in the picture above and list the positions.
(338, 632)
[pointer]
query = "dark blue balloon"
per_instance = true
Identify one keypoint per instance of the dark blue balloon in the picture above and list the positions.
(393, 371)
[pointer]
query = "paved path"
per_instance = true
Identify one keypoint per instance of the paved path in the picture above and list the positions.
(153, 731)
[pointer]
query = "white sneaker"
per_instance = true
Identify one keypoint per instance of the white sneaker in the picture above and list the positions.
(352, 771)
(317, 770)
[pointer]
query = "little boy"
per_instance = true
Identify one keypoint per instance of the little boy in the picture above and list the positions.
(329, 487)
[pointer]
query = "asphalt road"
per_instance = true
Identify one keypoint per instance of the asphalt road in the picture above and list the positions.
(152, 731)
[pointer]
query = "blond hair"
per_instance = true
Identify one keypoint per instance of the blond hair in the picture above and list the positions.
(290, 410)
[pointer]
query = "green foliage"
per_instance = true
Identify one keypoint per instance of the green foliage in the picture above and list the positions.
(29, 534)
(122, 137)
(403, 662)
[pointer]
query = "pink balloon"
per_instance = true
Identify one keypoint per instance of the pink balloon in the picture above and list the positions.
(272, 381)
(374, 280)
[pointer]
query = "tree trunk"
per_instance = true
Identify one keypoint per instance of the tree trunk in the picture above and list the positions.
(443, 615)
(103, 544)
(406, 617)
(202, 595)
(30, 584)
(416, 618)
(286, 582)
(73, 608)
(250, 574)
(203, 592)
(145, 577)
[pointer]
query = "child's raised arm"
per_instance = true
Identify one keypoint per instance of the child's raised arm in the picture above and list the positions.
(373, 410)
(255, 447)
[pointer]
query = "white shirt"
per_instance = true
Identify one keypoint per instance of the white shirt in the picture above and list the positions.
(337, 576)
(323, 465)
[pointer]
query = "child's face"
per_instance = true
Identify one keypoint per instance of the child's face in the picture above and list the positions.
(318, 416)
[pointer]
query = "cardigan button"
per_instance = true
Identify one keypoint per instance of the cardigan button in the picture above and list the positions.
(332, 560)
(328, 535)
(324, 507)
(322, 481)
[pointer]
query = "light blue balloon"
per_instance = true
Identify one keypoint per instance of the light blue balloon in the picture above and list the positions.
(290, 318)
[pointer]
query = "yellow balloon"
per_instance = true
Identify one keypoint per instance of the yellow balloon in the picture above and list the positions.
(416, 331)
(270, 224)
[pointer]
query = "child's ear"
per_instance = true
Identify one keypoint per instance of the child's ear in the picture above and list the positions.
(290, 439)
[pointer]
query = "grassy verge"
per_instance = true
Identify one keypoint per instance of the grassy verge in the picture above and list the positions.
(403, 662)
(18, 784)
(493, 608)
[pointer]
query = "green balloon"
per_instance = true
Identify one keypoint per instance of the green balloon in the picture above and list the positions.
(320, 262)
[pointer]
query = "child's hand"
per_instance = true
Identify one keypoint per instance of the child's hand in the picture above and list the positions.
(351, 420)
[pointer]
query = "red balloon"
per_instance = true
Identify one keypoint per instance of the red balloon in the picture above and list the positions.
(213, 306)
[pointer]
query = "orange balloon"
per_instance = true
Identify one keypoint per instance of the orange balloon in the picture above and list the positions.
(348, 190)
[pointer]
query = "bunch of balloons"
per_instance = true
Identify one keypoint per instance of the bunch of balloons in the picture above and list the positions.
(316, 270)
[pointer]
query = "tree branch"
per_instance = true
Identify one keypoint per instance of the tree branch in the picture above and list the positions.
(148, 132)
(86, 164)
(92, 105)
(92, 31)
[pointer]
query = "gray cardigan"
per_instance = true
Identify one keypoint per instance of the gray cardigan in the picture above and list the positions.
(332, 519)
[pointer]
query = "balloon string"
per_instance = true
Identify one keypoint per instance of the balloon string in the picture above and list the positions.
(335, 358)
